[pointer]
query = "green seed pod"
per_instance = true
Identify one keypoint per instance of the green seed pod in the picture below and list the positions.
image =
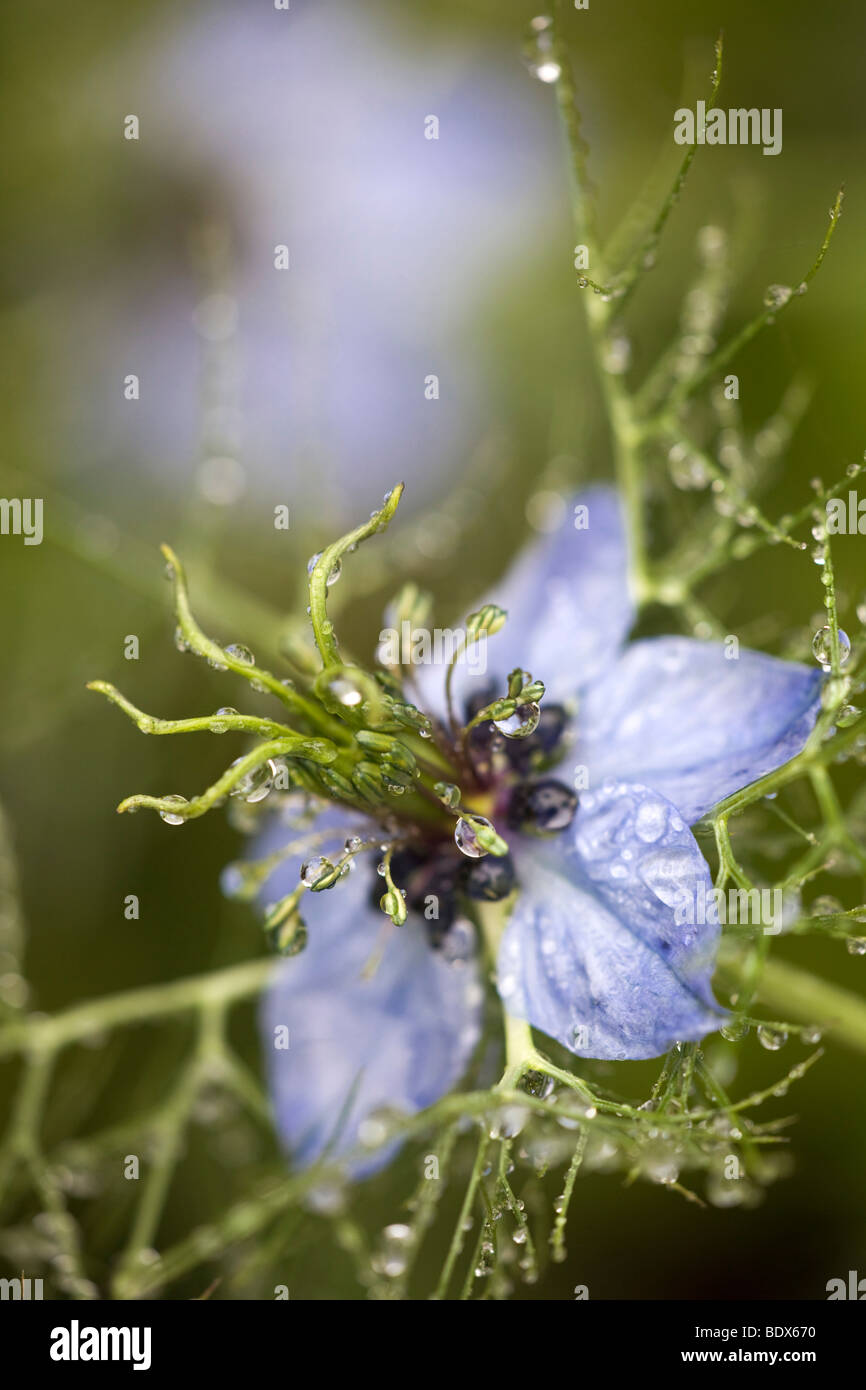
(488, 619)
(488, 838)
(367, 779)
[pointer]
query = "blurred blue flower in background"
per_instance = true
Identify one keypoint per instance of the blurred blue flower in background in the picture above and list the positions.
(307, 129)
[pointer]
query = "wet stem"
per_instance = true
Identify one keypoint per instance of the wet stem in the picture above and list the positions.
(625, 430)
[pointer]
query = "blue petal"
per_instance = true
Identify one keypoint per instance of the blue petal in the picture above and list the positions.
(398, 1038)
(682, 717)
(607, 936)
(568, 604)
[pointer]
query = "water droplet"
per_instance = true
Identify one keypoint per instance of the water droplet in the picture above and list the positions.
(772, 1038)
(170, 817)
(289, 938)
(315, 869)
(392, 1257)
(353, 844)
(255, 784)
(727, 1192)
(466, 839)
(233, 881)
(536, 1083)
(508, 1122)
(811, 1035)
(822, 647)
(180, 641)
(688, 470)
(336, 569)
(857, 945)
(776, 296)
(650, 822)
(448, 793)
(218, 726)
(539, 50)
(617, 355)
(520, 724)
(734, 1031)
(660, 1165)
(238, 652)
(345, 692)
(825, 906)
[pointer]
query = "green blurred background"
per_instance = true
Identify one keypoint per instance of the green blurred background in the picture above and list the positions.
(110, 246)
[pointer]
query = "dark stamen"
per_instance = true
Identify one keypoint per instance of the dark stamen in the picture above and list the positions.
(541, 808)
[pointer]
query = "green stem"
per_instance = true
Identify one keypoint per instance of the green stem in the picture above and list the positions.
(330, 557)
(794, 993)
(292, 746)
(221, 987)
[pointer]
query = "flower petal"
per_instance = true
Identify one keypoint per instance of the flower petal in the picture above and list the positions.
(398, 1037)
(681, 716)
(602, 951)
(568, 604)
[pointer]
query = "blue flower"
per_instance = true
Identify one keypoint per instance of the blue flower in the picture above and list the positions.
(597, 952)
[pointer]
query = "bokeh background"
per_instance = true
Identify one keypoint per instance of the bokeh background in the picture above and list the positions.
(409, 257)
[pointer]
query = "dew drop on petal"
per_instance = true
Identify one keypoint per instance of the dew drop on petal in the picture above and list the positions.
(650, 821)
